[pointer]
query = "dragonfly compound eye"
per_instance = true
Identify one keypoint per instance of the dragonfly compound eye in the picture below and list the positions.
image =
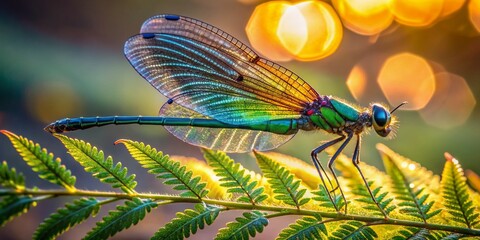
(381, 120)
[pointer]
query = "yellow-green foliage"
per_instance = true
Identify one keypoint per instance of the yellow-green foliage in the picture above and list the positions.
(413, 202)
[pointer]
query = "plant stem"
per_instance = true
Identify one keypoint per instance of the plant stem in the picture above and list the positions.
(280, 210)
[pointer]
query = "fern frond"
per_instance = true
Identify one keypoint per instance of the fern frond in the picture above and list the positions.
(456, 195)
(409, 186)
(321, 196)
(353, 230)
(67, 217)
(301, 169)
(9, 178)
(188, 222)
(233, 176)
(13, 206)
(202, 169)
(243, 227)
(42, 162)
(422, 233)
(285, 187)
(413, 233)
(131, 213)
(165, 168)
(94, 162)
(381, 197)
(304, 228)
(376, 181)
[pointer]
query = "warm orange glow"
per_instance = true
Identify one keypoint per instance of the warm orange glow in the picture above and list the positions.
(366, 17)
(307, 31)
(474, 13)
(416, 13)
(451, 6)
(49, 101)
(292, 30)
(357, 81)
(324, 31)
(407, 77)
(262, 30)
(452, 103)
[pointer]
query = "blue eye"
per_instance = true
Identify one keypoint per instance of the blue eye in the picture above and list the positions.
(380, 116)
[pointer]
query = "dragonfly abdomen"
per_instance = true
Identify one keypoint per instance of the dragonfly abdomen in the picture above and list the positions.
(279, 126)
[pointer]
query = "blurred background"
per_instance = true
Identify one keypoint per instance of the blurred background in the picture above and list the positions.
(65, 59)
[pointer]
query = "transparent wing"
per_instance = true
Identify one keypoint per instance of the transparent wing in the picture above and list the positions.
(204, 69)
(227, 140)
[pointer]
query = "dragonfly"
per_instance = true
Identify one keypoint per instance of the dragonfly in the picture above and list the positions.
(224, 96)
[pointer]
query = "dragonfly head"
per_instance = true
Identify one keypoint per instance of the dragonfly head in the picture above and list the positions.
(382, 119)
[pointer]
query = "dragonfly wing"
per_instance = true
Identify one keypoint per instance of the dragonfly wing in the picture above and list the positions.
(227, 140)
(204, 69)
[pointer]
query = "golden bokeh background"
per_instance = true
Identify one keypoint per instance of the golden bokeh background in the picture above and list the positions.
(65, 59)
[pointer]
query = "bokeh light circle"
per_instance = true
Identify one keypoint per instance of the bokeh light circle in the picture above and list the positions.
(262, 28)
(407, 77)
(306, 31)
(416, 13)
(452, 103)
(366, 17)
(324, 31)
(474, 13)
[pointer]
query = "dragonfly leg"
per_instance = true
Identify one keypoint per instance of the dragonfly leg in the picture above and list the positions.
(319, 167)
(330, 166)
(356, 161)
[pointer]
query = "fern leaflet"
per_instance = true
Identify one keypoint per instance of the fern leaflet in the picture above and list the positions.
(408, 188)
(283, 183)
(66, 218)
(188, 222)
(385, 203)
(232, 176)
(243, 227)
(94, 162)
(165, 168)
(353, 230)
(131, 213)
(13, 206)
(414, 233)
(455, 195)
(304, 228)
(321, 196)
(42, 162)
(9, 178)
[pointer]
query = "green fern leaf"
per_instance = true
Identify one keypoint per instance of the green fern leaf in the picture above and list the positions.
(321, 196)
(244, 227)
(456, 195)
(408, 186)
(188, 222)
(66, 218)
(384, 202)
(304, 228)
(94, 162)
(285, 187)
(414, 233)
(131, 213)
(353, 230)
(232, 176)
(13, 206)
(165, 168)
(9, 178)
(42, 162)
